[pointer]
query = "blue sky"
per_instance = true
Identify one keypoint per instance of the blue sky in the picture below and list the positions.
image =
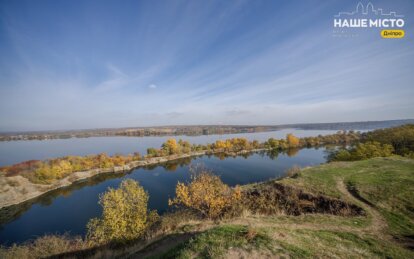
(91, 64)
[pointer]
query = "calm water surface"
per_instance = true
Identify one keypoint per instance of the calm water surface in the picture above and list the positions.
(12, 152)
(69, 209)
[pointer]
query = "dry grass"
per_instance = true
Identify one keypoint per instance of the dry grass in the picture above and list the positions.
(293, 172)
(13, 182)
(44, 247)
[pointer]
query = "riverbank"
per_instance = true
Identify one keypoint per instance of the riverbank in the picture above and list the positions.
(382, 187)
(17, 189)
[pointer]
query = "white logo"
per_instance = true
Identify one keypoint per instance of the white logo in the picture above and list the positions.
(368, 17)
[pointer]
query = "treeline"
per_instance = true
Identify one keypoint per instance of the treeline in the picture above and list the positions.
(401, 138)
(357, 146)
(47, 171)
(379, 143)
(172, 147)
(137, 132)
(362, 151)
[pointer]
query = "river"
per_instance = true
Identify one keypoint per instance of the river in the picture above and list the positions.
(69, 209)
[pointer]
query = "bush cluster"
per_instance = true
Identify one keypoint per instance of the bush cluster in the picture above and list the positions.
(207, 194)
(53, 169)
(362, 151)
(401, 138)
(43, 247)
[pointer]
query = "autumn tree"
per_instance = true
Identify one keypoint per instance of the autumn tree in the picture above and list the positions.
(401, 138)
(272, 143)
(240, 144)
(362, 151)
(255, 144)
(170, 147)
(371, 149)
(125, 214)
(207, 194)
(292, 141)
(220, 145)
(152, 152)
(185, 146)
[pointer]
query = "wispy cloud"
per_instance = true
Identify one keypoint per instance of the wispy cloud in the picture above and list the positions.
(238, 62)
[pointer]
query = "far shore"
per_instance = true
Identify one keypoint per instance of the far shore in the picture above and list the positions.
(17, 189)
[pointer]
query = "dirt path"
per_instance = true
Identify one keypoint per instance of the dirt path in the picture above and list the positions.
(378, 224)
(162, 246)
(377, 228)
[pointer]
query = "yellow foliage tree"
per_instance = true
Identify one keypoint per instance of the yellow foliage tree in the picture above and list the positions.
(207, 194)
(292, 140)
(240, 144)
(171, 147)
(43, 174)
(125, 214)
(220, 144)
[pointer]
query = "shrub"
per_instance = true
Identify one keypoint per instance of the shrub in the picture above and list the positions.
(362, 151)
(207, 194)
(371, 149)
(401, 138)
(171, 147)
(125, 214)
(342, 155)
(44, 246)
(293, 172)
(292, 140)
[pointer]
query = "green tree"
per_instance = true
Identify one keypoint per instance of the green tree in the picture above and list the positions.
(362, 151)
(185, 146)
(401, 138)
(152, 152)
(272, 143)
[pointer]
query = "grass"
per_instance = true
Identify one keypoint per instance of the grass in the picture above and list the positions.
(305, 243)
(317, 220)
(215, 242)
(44, 247)
(220, 241)
(387, 183)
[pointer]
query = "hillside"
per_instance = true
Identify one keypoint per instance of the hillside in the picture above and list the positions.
(382, 187)
(361, 209)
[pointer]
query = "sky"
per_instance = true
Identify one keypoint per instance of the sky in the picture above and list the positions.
(97, 64)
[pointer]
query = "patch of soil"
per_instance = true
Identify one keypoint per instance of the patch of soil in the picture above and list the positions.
(354, 192)
(275, 198)
(164, 245)
(406, 241)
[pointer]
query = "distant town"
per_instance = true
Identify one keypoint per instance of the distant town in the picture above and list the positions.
(196, 130)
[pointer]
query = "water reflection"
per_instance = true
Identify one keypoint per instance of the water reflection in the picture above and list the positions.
(291, 152)
(13, 212)
(70, 208)
(17, 151)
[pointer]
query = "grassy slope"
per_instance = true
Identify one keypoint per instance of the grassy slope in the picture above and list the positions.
(386, 183)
